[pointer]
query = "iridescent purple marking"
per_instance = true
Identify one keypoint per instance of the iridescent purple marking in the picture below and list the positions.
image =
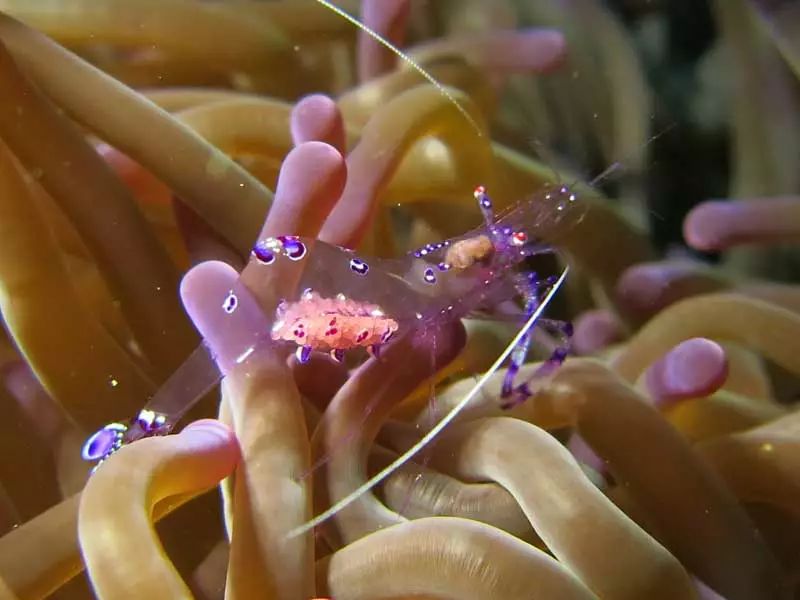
(559, 355)
(303, 354)
(443, 266)
(150, 421)
(337, 354)
(293, 248)
(429, 276)
(263, 254)
(359, 266)
(104, 442)
(230, 303)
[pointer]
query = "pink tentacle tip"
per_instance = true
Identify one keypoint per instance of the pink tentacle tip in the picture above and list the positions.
(537, 50)
(694, 368)
(594, 330)
(317, 118)
(704, 228)
(215, 433)
(646, 288)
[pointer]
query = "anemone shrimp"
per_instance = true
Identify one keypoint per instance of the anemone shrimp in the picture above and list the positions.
(334, 301)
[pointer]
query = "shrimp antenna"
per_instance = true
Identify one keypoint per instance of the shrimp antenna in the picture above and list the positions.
(620, 164)
(405, 57)
(439, 427)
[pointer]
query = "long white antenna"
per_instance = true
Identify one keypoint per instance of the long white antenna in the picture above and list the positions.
(446, 420)
(410, 61)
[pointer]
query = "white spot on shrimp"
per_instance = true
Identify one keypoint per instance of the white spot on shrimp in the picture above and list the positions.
(230, 303)
(243, 356)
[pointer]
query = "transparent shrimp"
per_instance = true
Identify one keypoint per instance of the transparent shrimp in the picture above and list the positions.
(345, 303)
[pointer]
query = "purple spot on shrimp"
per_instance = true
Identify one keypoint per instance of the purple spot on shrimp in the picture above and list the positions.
(359, 266)
(230, 303)
(386, 335)
(568, 329)
(293, 247)
(559, 355)
(303, 354)
(337, 354)
(102, 442)
(263, 254)
(429, 276)
(150, 421)
(443, 266)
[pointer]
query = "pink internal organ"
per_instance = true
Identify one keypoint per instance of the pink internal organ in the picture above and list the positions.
(332, 323)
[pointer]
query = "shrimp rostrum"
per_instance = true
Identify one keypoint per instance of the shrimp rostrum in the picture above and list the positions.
(339, 303)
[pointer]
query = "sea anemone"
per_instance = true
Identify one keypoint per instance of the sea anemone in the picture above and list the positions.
(136, 168)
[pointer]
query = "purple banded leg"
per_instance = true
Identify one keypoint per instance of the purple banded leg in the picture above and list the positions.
(523, 391)
(528, 287)
(517, 358)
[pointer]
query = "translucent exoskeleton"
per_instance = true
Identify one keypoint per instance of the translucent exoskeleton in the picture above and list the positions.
(341, 302)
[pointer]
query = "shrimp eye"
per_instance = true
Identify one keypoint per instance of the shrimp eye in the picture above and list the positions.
(518, 238)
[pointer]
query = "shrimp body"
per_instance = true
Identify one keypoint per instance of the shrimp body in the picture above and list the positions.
(344, 302)
(332, 324)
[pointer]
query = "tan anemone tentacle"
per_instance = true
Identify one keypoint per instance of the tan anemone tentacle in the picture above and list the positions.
(387, 138)
(6, 593)
(355, 415)
(179, 98)
(50, 324)
(41, 555)
(761, 465)
(767, 328)
(695, 514)
(747, 373)
(268, 498)
(417, 491)
(262, 402)
(132, 261)
(583, 529)
(140, 483)
(445, 558)
(175, 27)
(243, 126)
(719, 414)
(205, 178)
(361, 103)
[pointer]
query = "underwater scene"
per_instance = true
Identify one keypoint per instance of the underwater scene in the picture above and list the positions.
(400, 299)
